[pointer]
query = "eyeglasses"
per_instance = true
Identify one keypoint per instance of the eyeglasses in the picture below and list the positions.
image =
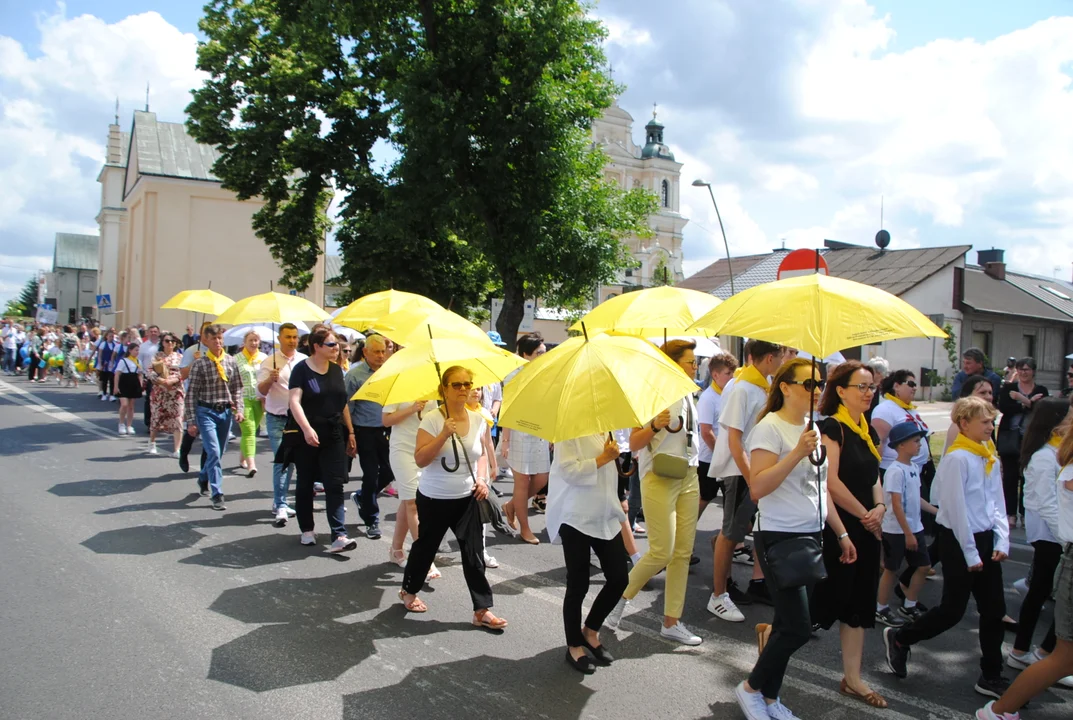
(461, 385)
(911, 384)
(864, 387)
(810, 385)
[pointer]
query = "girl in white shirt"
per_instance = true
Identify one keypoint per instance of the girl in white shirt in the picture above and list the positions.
(404, 419)
(585, 515)
(449, 448)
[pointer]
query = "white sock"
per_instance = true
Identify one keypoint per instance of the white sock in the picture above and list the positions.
(881, 608)
(636, 557)
(909, 604)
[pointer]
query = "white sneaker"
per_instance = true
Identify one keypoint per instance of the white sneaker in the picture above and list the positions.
(290, 513)
(490, 562)
(724, 608)
(1020, 662)
(1021, 586)
(308, 538)
(778, 711)
(152, 449)
(615, 617)
(176, 454)
(1066, 682)
(281, 518)
(752, 704)
(111, 398)
(102, 396)
(680, 633)
(130, 430)
(122, 429)
(342, 544)
(318, 488)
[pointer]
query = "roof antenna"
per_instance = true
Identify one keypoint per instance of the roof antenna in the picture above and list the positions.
(147, 97)
(882, 237)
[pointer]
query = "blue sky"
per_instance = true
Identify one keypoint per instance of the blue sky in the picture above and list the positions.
(802, 113)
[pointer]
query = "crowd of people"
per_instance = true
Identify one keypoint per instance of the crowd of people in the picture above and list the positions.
(829, 470)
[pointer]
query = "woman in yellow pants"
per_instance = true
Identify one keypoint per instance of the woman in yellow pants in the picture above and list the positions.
(249, 364)
(667, 456)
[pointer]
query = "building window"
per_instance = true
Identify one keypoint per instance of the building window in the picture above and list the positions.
(665, 193)
(982, 340)
(1029, 345)
(88, 312)
(629, 272)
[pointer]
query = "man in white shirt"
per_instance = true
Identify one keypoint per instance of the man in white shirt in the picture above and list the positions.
(721, 370)
(150, 347)
(9, 333)
(730, 461)
(273, 386)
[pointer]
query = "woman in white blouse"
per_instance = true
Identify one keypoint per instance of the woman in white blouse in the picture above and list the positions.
(584, 514)
(450, 444)
(404, 420)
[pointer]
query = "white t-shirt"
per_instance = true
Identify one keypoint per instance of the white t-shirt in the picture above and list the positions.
(904, 480)
(10, 335)
(436, 482)
(740, 410)
(146, 353)
(1065, 505)
(681, 444)
(708, 407)
(889, 412)
(404, 434)
(795, 505)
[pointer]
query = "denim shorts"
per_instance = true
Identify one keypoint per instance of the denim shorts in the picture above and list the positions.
(1063, 597)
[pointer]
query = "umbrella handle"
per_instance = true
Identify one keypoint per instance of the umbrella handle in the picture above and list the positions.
(681, 424)
(458, 461)
(820, 457)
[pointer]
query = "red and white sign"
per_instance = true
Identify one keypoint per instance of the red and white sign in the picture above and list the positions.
(800, 262)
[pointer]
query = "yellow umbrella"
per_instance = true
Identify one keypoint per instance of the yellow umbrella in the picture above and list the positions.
(592, 384)
(366, 310)
(818, 314)
(415, 323)
(651, 312)
(413, 373)
(199, 301)
(271, 307)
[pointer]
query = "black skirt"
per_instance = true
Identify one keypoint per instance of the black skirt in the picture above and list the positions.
(848, 595)
(129, 385)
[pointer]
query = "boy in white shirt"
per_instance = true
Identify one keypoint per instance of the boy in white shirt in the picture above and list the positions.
(903, 532)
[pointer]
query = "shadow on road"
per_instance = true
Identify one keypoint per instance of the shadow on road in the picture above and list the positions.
(106, 487)
(152, 539)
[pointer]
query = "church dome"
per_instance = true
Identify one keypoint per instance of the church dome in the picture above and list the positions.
(654, 146)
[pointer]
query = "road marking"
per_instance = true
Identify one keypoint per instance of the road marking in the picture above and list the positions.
(29, 400)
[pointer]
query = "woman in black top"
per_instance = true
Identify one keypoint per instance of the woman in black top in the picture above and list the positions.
(1015, 402)
(848, 595)
(318, 402)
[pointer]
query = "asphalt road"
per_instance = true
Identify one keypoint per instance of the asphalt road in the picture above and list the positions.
(124, 595)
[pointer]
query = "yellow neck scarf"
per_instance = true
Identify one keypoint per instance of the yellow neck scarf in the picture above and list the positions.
(737, 373)
(897, 401)
(984, 450)
(219, 362)
(479, 409)
(718, 390)
(1055, 441)
(751, 375)
(134, 359)
(254, 358)
(859, 428)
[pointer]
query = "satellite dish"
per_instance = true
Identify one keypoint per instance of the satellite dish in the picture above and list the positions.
(882, 239)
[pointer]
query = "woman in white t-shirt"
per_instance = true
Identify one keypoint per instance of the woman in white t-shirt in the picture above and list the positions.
(897, 406)
(404, 419)
(449, 447)
(792, 500)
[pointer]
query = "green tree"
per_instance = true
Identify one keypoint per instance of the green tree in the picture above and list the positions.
(488, 105)
(26, 302)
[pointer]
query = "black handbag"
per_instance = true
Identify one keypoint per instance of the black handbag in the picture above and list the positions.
(795, 561)
(1010, 438)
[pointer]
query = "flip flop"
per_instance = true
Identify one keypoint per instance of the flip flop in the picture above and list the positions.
(872, 699)
(415, 606)
(487, 620)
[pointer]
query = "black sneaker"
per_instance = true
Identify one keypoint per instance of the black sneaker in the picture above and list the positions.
(897, 655)
(992, 687)
(736, 595)
(373, 531)
(694, 560)
(184, 462)
(889, 618)
(914, 613)
(218, 503)
(203, 488)
(759, 593)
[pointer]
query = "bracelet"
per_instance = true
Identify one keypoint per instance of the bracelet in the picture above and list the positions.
(843, 535)
(878, 504)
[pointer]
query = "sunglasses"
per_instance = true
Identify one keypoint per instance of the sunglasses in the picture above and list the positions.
(461, 385)
(330, 345)
(810, 385)
(864, 387)
(911, 384)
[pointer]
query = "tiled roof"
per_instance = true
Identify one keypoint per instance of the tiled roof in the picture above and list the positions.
(986, 294)
(77, 252)
(166, 149)
(759, 273)
(711, 277)
(1057, 294)
(333, 269)
(892, 270)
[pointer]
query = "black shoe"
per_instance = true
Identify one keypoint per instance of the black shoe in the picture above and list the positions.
(184, 462)
(599, 653)
(736, 595)
(373, 531)
(759, 592)
(914, 613)
(889, 618)
(694, 560)
(992, 687)
(583, 664)
(203, 488)
(218, 503)
(897, 655)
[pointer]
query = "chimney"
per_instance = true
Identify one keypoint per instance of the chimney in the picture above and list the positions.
(996, 270)
(993, 262)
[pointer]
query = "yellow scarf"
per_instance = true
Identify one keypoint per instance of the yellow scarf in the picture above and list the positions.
(897, 401)
(860, 429)
(1055, 441)
(255, 358)
(219, 362)
(479, 409)
(984, 450)
(751, 375)
(134, 359)
(737, 373)
(718, 390)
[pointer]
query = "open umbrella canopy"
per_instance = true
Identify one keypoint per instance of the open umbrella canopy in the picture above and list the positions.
(416, 323)
(818, 314)
(368, 309)
(202, 301)
(413, 373)
(652, 312)
(590, 385)
(271, 307)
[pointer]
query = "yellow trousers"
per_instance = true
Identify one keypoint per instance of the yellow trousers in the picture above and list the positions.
(671, 508)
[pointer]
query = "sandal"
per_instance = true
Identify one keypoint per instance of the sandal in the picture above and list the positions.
(433, 574)
(415, 606)
(763, 632)
(397, 556)
(639, 530)
(872, 699)
(487, 620)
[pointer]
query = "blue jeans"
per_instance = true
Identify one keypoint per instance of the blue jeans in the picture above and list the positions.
(281, 474)
(9, 360)
(213, 427)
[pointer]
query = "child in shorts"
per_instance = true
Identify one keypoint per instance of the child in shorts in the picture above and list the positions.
(903, 532)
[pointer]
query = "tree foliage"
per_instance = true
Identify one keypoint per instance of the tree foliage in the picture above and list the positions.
(483, 108)
(25, 304)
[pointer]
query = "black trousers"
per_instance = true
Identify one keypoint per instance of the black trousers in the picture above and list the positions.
(1044, 563)
(984, 585)
(1012, 482)
(790, 629)
(147, 412)
(613, 562)
(326, 464)
(107, 381)
(188, 444)
(32, 367)
(373, 449)
(461, 517)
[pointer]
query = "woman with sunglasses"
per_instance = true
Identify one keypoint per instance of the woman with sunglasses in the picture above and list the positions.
(167, 395)
(898, 390)
(450, 444)
(848, 595)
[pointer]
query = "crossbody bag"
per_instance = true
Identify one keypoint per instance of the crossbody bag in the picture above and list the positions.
(671, 465)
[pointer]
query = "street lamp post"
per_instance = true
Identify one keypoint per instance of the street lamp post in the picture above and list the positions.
(730, 267)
